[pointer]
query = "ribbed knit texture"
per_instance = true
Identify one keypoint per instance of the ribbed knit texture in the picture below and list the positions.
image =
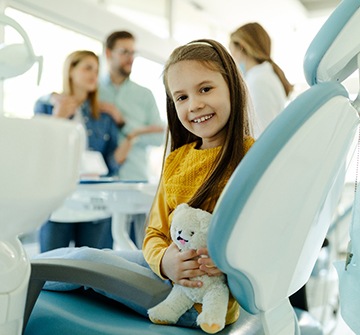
(185, 171)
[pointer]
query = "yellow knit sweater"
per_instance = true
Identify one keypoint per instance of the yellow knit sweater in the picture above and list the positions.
(184, 172)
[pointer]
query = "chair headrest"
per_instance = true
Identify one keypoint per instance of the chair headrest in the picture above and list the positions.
(332, 55)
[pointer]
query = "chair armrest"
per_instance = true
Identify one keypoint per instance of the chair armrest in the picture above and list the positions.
(137, 288)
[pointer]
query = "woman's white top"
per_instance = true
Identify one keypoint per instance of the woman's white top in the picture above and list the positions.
(267, 95)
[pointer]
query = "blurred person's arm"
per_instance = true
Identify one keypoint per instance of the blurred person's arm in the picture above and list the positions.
(115, 113)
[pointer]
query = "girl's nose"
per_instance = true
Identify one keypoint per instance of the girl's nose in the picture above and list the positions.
(196, 104)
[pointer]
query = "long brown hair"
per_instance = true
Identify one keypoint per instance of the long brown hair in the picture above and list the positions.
(254, 41)
(213, 55)
(71, 62)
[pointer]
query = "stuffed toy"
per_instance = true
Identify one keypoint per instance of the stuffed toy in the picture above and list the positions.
(188, 230)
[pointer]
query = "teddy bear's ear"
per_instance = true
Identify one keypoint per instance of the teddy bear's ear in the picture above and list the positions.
(182, 206)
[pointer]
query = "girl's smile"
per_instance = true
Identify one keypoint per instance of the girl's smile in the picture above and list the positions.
(203, 118)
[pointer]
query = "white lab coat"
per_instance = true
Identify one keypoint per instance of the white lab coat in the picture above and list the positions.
(267, 95)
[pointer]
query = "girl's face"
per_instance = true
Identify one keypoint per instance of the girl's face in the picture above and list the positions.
(202, 100)
(84, 75)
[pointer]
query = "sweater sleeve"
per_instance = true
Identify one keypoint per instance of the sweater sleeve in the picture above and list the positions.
(157, 237)
(249, 141)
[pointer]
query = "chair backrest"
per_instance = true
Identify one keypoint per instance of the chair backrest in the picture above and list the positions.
(274, 218)
(332, 55)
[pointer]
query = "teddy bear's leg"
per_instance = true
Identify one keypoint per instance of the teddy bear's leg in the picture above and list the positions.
(214, 309)
(170, 310)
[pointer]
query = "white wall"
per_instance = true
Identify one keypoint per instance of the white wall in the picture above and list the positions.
(75, 14)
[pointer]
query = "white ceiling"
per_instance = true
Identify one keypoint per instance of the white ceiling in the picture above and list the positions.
(280, 17)
(317, 5)
(291, 23)
(231, 13)
(162, 24)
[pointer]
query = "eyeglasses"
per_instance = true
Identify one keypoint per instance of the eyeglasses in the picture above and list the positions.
(125, 52)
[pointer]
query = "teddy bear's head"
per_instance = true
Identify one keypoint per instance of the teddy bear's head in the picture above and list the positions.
(189, 227)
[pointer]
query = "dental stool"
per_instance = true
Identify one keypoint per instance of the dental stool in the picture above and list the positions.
(39, 168)
(266, 232)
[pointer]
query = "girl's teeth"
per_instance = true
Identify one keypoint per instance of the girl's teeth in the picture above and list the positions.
(202, 119)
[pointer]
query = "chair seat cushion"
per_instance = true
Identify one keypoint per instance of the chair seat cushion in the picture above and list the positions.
(88, 313)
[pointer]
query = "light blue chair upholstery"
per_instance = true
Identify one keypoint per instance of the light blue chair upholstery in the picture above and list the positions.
(267, 229)
(332, 55)
(286, 203)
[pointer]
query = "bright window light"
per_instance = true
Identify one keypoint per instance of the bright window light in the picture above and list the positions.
(21, 93)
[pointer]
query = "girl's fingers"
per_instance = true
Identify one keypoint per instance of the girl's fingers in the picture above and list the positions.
(190, 283)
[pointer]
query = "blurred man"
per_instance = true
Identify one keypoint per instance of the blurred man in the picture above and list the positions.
(134, 109)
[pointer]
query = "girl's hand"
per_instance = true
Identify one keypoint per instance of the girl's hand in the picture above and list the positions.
(206, 264)
(179, 267)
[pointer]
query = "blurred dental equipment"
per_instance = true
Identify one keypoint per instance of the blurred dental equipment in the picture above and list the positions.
(39, 168)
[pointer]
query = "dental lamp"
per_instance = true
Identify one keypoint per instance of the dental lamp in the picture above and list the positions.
(17, 58)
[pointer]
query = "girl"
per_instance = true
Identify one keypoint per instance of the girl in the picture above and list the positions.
(79, 102)
(208, 135)
(250, 45)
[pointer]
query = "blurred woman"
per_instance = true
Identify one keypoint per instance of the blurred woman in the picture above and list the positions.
(250, 46)
(79, 102)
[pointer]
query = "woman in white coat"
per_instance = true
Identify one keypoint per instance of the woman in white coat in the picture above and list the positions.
(250, 46)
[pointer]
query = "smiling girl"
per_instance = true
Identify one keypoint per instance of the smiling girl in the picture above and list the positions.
(208, 137)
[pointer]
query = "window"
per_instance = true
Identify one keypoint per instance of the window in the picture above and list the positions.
(21, 93)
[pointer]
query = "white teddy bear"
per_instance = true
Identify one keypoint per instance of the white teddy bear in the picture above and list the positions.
(188, 230)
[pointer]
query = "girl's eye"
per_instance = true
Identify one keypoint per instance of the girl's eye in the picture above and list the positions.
(206, 89)
(192, 233)
(181, 98)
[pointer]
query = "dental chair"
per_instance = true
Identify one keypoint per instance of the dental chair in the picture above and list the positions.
(39, 168)
(266, 232)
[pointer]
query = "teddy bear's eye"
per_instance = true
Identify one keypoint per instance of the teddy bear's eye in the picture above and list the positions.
(192, 233)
